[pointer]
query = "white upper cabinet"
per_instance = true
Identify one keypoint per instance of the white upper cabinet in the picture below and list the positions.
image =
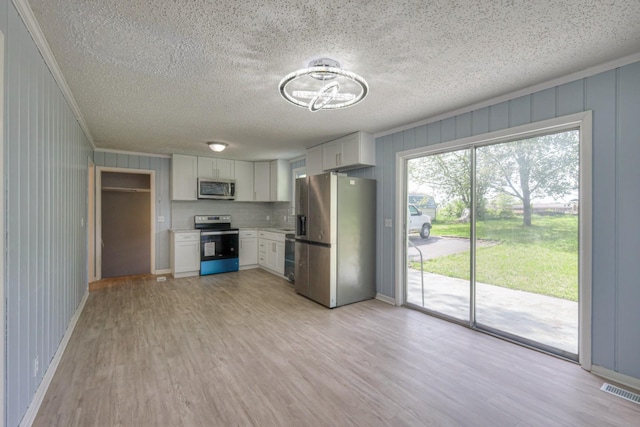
(349, 152)
(314, 160)
(211, 167)
(262, 181)
(244, 181)
(280, 181)
(184, 177)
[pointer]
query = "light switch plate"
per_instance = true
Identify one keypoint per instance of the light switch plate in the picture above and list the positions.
(388, 223)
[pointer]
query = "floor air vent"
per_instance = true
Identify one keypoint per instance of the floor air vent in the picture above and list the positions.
(621, 393)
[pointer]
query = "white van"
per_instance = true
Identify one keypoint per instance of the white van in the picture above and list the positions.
(419, 222)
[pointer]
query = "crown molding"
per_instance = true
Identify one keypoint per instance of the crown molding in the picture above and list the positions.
(588, 72)
(29, 19)
(131, 153)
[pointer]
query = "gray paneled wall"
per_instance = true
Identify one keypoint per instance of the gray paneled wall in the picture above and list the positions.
(614, 98)
(162, 167)
(46, 155)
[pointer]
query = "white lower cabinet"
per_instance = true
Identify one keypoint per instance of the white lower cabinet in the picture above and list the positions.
(271, 251)
(248, 255)
(185, 253)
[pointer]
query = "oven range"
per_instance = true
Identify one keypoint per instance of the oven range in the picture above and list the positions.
(218, 244)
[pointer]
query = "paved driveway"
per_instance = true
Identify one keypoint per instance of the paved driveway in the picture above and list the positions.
(435, 247)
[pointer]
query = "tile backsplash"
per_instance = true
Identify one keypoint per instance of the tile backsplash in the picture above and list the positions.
(243, 214)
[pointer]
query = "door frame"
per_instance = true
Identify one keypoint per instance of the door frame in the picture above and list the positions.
(582, 121)
(91, 220)
(3, 302)
(98, 216)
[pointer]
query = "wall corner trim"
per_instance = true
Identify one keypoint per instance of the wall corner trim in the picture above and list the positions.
(33, 26)
(386, 299)
(34, 407)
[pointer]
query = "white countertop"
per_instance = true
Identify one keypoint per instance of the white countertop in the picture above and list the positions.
(279, 230)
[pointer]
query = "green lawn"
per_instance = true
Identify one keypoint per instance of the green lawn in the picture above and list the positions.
(542, 258)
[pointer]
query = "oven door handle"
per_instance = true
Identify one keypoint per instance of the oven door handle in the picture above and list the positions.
(218, 233)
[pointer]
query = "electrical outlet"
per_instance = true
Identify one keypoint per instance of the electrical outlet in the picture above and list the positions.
(36, 365)
(160, 219)
(388, 223)
(81, 222)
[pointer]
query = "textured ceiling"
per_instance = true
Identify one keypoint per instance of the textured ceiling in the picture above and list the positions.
(167, 76)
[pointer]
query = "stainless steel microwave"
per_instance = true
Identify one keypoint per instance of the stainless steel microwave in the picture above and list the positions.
(221, 189)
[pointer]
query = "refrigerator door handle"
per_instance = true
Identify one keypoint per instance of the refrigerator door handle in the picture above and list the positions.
(301, 229)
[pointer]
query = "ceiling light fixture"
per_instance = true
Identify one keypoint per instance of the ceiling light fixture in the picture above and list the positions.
(217, 146)
(323, 86)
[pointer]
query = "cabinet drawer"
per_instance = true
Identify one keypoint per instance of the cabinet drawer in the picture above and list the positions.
(187, 237)
(248, 233)
(270, 235)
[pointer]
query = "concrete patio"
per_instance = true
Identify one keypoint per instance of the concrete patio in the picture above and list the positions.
(548, 320)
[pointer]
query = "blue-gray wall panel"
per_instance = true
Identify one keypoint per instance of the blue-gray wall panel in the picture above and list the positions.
(616, 201)
(45, 179)
(463, 125)
(571, 98)
(543, 105)
(421, 136)
(434, 133)
(448, 129)
(480, 121)
(520, 111)
(627, 209)
(499, 116)
(601, 99)
(409, 139)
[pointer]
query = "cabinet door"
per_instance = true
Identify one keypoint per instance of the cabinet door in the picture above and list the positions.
(206, 167)
(314, 161)
(225, 168)
(272, 255)
(280, 179)
(244, 181)
(262, 181)
(248, 251)
(350, 150)
(331, 153)
(187, 256)
(184, 177)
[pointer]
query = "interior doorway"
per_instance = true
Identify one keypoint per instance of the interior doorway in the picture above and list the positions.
(509, 234)
(125, 227)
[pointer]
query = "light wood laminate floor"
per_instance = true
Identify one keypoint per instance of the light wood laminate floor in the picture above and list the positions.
(242, 349)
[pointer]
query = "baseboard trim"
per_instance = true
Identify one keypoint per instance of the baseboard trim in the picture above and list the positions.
(623, 379)
(160, 272)
(386, 299)
(34, 407)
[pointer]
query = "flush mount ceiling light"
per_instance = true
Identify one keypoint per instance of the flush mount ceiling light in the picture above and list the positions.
(217, 146)
(323, 86)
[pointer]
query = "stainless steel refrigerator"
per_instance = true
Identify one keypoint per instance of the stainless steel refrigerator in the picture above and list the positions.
(335, 248)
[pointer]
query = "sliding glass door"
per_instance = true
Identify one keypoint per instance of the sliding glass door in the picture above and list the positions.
(438, 263)
(502, 249)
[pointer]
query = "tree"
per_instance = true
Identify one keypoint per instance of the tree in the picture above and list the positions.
(449, 177)
(544, 166)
